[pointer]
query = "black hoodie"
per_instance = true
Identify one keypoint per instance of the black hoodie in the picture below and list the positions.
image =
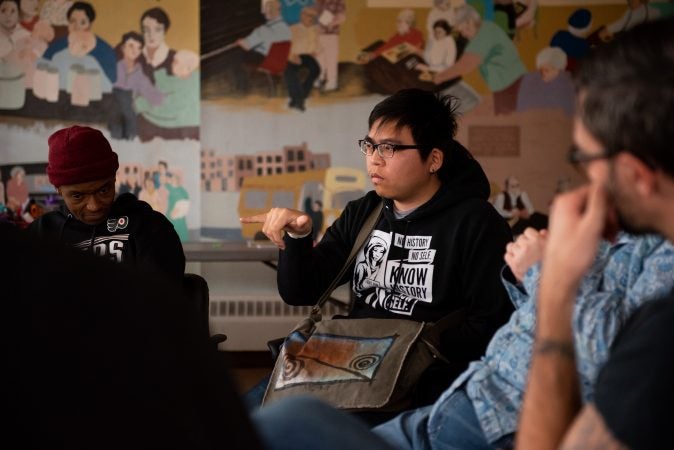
(444, 257)
(133, 233)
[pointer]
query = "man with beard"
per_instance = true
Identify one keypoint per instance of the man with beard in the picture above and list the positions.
(624, 143)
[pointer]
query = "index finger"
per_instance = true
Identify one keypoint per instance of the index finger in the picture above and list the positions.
(260, 218)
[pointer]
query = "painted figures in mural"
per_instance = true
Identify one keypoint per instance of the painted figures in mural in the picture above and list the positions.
(25, 193)
(53, 65)
(460, 38)
(161, 188)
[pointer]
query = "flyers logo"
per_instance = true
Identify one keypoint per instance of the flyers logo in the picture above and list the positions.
(117, 224)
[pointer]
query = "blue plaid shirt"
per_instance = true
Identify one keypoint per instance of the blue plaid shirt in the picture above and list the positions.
(623, 276)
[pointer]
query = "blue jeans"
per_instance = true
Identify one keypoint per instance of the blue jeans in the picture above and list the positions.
(454, 425)
(298, 88)
(304, 423)
(253, 398)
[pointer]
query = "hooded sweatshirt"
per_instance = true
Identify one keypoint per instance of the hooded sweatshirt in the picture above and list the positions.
(445, 257)
(133, 234)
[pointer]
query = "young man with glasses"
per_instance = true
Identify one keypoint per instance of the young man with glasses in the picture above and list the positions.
(441, 242)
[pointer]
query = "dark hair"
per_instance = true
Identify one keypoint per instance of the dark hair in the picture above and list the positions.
(442, 24)
(157, 14)
(119, 53)
(83, 6)
(626, 92)
(430, 117)
(132, 35)
(16, 2)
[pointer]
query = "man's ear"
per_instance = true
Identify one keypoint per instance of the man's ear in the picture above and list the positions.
(437, 158)
(638, 173)
(58, 190)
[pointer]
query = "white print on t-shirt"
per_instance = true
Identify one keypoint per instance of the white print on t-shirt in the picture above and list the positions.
(111, 247)
(393, 284)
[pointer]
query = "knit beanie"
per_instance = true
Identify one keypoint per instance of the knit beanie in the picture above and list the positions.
(580, 19)
(79, 155)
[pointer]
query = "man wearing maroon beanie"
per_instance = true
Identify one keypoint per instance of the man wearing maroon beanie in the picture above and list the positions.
(82, 166)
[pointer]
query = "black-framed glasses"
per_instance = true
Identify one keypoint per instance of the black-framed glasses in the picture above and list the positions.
(579, 158)
(385, 149)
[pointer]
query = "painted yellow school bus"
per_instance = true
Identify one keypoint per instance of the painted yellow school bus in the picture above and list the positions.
(328, 190)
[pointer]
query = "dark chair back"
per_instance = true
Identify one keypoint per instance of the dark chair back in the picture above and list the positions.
(196, 290)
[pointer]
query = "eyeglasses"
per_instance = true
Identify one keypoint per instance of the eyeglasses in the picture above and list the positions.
(385, 150)
(578, 158)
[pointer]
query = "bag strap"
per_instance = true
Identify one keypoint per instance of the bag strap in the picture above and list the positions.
(432, 334)
(363, 234)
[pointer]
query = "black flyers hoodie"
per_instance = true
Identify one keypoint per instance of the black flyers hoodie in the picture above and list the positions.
(133, 233)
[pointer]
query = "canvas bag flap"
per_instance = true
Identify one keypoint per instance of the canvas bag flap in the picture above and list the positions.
(357, 364)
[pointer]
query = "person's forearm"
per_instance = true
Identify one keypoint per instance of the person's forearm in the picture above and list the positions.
(466, 64)
(552, 397)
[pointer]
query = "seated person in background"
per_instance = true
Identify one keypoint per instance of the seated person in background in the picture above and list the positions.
(105, 357)
(514, 205)
(549, 87)
(82, 167)
(482, 407)
(625, 94)
(253, 49)
(303, 50)
(435, 199)
(406, 33)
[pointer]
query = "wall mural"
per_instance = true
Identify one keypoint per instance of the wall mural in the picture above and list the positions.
(265, 104)
(283, 78)
(135, 76)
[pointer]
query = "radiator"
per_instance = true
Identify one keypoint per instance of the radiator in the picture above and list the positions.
(249, 322)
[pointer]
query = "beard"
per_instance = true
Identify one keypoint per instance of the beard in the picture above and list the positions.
(630, 226)
(628, 218)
